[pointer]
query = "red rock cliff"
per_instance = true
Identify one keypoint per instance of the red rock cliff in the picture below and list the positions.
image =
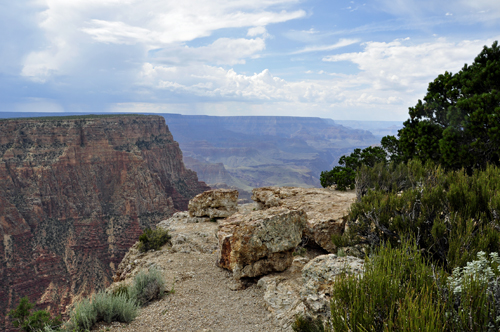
(74, 196)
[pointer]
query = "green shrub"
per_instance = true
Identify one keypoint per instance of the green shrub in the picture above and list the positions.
(400, 291)
(148, 286)
(344, 176)
(451, 215)
(102, 307)
(153, 239)
(397, 292)
(23, 318)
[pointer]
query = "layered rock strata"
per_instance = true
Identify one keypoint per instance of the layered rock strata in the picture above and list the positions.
(259, 242)
(217, 203)
(75, 193)
(326, 210)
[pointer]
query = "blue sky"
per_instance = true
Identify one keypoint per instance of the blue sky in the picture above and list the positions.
(345, 60)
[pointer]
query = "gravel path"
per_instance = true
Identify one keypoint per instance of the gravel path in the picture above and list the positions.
(202, 301)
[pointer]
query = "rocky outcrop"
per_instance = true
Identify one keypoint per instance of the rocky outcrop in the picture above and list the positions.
(305, 289)
(75, 193)
(259, 242)
(218, 203)
(326, 209)
(294, 282)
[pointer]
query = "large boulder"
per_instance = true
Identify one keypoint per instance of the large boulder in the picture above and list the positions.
(259, 242)
(326, 209)
(218, 203)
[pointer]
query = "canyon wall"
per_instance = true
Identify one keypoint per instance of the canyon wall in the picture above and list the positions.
(75, 194)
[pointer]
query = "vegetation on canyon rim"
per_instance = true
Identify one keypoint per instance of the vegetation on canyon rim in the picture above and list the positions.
(121, 305)
(153, 239)
(428, 207)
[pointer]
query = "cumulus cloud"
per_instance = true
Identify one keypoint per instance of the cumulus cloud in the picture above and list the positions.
(70, 26)
(400, 64)
(392, 76)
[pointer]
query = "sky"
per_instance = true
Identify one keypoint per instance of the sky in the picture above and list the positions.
(338, 59)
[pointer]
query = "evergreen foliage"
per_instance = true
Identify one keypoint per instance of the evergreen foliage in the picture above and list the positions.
(458, 123)
(344, 176)
(153, 239)
(28, 321)
(451, 215)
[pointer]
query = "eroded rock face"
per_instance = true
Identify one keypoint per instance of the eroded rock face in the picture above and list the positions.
(218, 203)
(326, 209)
(75, 194)
(259, 242)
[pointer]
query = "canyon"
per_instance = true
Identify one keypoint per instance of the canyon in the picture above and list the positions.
(75, 194)
(246, 152)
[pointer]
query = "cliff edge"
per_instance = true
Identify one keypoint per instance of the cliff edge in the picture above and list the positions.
(75, 193)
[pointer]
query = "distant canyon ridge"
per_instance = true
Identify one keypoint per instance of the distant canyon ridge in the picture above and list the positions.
(245, 152)
(75, 194)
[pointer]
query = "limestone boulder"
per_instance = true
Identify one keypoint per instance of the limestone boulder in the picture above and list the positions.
(318, 277)
(326, 209)
(259, 242)
(217, 203)
(305, 288)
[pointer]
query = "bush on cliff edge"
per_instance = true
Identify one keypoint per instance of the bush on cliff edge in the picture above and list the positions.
(153, 239)
(119, 306)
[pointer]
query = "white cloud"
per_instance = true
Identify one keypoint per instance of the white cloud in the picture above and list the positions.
(147, 24)
(392, 77)
(256, 31)
(339, 44)
(396, 65)
(222, 51)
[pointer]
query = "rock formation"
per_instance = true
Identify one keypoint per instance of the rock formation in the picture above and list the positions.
(219, 203)
(326, 209)
(75, 193)
(258, 242)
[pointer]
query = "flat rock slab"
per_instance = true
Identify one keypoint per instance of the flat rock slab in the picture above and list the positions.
(259, 242)
(326, 209)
